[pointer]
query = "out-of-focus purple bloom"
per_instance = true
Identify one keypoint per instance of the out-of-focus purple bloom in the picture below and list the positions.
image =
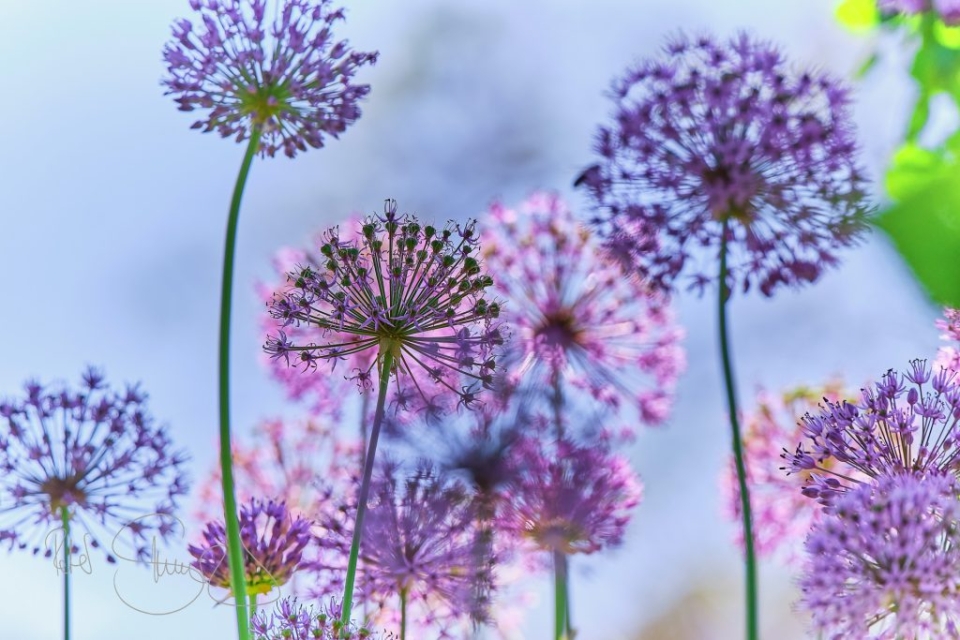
(273, 544)
(578, 317)
(569, 498)
(419, 540)
(292, 621)
(412, 290)
(886, 563)
(95, 452)
(947, 10)
(782, 515)
(724, 138)
(949, 357)
(287, 78)
(908, 422)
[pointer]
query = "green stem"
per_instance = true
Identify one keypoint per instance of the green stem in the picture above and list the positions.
(750, 559)
(386, 362)
(234, 547)
(403, 614)
(560, 595)
(65, 519)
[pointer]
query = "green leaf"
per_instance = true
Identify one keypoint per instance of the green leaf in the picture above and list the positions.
(858, 15)
(924, 222)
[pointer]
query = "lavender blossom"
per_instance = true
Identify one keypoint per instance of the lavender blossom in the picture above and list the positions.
(287, 79)
(907, 423)
(293, 621)
(578, 317)
(574, 499)
(886, 563)
(949, 356)
(273, 543)
(94, 453)
(411, 290)
(418, 547)
(722, 140)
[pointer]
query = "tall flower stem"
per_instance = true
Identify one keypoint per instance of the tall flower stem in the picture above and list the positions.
(556, 402)
(560, 596)
(234, 548)
(403, 614)
(386, 362)
(750, 561)
(65, 519)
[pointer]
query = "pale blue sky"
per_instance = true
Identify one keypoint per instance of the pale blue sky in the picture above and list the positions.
(112, 221)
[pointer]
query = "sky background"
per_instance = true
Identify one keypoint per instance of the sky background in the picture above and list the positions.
(111, 243)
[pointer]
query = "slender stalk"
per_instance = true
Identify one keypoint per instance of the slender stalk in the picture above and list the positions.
(65, 519)
(750, 561)
(386, 362)
(560, 596)
(234, 548)
(403, 614)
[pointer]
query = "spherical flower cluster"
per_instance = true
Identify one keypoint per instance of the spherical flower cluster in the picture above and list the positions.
(577, 316)
(287, 80)
(569, 498)
(907, 423)
(293, 621)
(407, 290)
(93, 453)
(273, 542)
(947, 10)
(782, 515)
(720, 146)
(419, 547)
(886, 563)
(949, 356)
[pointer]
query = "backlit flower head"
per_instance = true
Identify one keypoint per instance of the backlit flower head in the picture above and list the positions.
(947, 10)
(293, 621)
(271, 66)
(782, 515)
(719, 136)
(949, 356)
(419, 538)
(273, 542)
(570, 498)
(886, 563)
(411, 290)
(577, 316)
(95, 452)
(906, 423)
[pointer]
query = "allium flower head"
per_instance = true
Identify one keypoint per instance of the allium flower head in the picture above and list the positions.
(947, 10)
(419, 539)
(95, 452)
(906, 423)
(722, 139)
(577, 315)
(949, 357)
(273, 543)
(293, 621)
(782, 515)
(287, 77)
(886, 563)
(411, 290)
(574, 499)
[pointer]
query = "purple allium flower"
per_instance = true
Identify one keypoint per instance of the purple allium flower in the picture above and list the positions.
(413, 290)
(419, 542)
(947, 10)
(907, 423)
(886, 563)
(95, 452)
(293, 621)
(723, 140)
(569, 498)
(287, 78)
(949, 357)
(273, 544)
(782, 515)
(578, 317)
